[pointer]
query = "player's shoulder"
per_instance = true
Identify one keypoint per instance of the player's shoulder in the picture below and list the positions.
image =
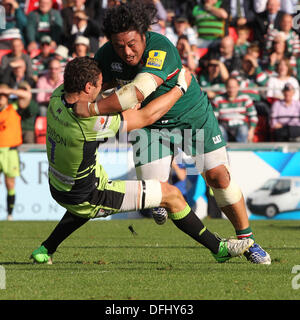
(156, 40)
(106, 51)
(158, 49)
(58, 92)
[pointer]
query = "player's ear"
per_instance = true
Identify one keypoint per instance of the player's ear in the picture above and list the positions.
(143, 37)
(87, 87)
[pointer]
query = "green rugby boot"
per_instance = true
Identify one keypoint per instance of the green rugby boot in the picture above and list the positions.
(41, 255)
(231, 248)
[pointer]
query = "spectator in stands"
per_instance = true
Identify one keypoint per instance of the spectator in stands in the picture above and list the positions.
(241, 13)
(250, 77)
(43, 21)
(24, 97)
(41, 61)
(276, 83)
(91, 8)
(234, 110)
(186, 53)
(26, 107)
(267, 20)
(47, 83)
(82, 25)
(214, 74)
(15, 73)
(17, 51)
(14, 17)
(179, 27)
(30, 5)
(290, 36)
(62, 55)
(10, 139)
(84, 17)
(226, 54)
(259, 5)
(271, 60)
(82, 47)
(241, 45)
(181, 8)
(254, 51)
(5, 39)
(288, 6)
(285, 120)
(251, 72)
(211, 21)
(28, 113)
(161, 16)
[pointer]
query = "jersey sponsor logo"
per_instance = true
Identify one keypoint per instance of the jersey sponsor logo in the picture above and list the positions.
(116, 67)
(156, 59)
(217, 139)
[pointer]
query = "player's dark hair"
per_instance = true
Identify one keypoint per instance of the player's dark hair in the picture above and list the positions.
(78, 72)
(136, 15)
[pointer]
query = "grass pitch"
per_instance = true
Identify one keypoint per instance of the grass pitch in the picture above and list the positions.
(104, 261)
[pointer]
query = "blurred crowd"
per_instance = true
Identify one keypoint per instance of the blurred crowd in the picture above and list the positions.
(244, 53)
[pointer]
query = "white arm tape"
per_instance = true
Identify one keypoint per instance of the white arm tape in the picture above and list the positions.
(127, 96)
(93, 108)
(145, 83)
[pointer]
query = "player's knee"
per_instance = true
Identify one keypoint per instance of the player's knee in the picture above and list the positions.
(10, 183)
(226, 190)
(218, 177)
(171, 195)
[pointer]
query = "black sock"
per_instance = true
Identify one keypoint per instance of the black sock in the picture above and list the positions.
(10, 203)
(67, 225)
(193, 226)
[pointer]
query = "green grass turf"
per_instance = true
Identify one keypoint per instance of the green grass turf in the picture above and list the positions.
(104, 261)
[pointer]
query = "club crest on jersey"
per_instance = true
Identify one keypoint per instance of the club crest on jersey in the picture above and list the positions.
(156, 59)
(116, 67)
(102, 123)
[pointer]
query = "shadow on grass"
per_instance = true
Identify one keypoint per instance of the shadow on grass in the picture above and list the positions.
(14, 263)
(133, 247)
(285, 227)
(115, 266)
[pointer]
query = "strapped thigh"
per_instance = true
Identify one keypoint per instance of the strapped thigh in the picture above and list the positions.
(141, 194)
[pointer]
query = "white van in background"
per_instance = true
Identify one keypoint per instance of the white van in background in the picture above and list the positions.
(276, 195)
